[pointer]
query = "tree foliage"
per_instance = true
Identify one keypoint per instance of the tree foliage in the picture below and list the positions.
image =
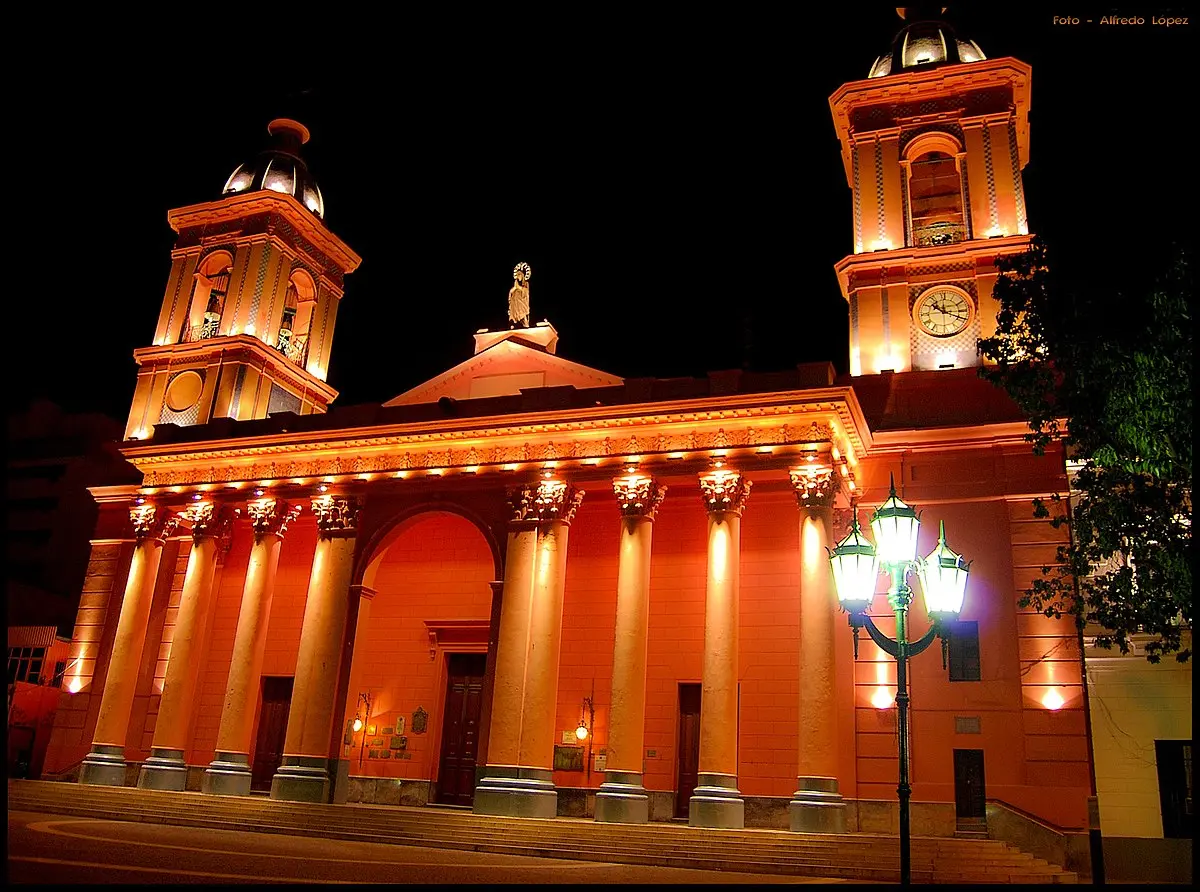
(1106, 371)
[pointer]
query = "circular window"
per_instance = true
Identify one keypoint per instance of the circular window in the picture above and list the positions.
(184, 391)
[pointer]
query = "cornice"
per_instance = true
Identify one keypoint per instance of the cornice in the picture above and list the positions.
(243, 204)
(972, 249)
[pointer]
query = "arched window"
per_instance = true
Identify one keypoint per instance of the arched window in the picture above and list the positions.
(298, 305)
(935, 200)
(207, 304)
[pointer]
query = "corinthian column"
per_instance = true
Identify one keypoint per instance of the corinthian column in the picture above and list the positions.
(622, 797)
(165, 769)
(229, 772)
(816, 806)
(518, 778)
(304, 775)
(105, 764)
(716, 801)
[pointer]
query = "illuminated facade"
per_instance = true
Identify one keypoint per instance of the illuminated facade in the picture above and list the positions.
(537, 588)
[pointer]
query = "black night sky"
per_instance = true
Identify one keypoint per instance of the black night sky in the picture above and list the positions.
(675, 184)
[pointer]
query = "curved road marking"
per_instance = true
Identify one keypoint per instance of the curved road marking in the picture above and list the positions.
(51, 828)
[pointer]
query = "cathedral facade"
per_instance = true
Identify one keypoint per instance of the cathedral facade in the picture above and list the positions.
(531, 587)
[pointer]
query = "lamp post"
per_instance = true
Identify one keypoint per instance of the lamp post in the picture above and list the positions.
(856, 566)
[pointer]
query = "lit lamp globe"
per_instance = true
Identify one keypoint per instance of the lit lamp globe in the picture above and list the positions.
(895, 526)
(581, 732)
(944, 580)
(855, 570)
(357, 724)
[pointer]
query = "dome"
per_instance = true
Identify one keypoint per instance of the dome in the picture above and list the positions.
(922, 44)
(280, 168)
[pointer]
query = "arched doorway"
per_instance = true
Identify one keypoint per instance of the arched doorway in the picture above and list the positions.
(420, 656)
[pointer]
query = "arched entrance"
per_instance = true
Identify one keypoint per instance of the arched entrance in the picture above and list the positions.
(416, 684)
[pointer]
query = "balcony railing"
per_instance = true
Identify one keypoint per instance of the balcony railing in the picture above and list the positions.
(202, 332)
(294, 347)
(937, 234)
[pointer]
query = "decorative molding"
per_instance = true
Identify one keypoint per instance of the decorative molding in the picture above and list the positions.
(724, 491)
(271, 516)
(153, 522)
(815, 485)
(638, 495)
(336, 515)
(547, 501)
(210, 520)
(467, 634)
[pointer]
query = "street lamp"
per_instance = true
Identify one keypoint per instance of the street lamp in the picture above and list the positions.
(856, 565)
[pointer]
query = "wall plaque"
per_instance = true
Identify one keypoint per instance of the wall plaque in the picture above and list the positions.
(399, 742)
(568, 758)
(420, 720)
(399, 724)
(387, 731)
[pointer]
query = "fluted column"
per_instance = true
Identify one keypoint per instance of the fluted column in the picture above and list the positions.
(105, 764)
(622, 797)
(304, 775)
(817, 805)
(165, 769)
(518, 778)
(229, 772)
(717, 801)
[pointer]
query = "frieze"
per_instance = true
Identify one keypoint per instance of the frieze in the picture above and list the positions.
(638, 495)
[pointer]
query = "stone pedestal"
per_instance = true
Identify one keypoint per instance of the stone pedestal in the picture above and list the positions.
(302, 779)
(163, 770)
(516, 793)
(622, 799)
(817, 806)
(227, 775)
(716, 802)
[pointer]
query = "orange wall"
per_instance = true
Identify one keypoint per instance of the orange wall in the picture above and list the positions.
(437, 569)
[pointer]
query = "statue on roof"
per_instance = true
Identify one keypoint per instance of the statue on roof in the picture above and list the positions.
(518, 297)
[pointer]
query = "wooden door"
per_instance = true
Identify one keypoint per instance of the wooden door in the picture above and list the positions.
(272, 729)
(689, 746)
(970, 798)
(460, 728)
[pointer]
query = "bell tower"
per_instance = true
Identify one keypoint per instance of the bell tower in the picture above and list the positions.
(933, 143)
(247, 319)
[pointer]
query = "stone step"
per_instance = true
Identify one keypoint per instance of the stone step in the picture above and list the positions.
(861, 856)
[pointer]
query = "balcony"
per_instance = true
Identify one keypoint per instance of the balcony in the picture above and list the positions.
(294, 347)
(932, 235)
(202, 332)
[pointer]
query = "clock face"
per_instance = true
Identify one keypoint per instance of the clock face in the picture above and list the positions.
(942, 312)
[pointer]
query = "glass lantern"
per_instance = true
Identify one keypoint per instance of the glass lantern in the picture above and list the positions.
(944, 580)
(895, 526)
(855, 570)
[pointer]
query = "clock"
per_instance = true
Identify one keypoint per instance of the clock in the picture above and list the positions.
(943, 312)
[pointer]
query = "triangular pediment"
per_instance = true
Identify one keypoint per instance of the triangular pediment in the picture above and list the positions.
(505, 368)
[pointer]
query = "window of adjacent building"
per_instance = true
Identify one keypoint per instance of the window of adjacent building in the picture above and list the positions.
(964, 651)
(1174, 760)
(935, 200)
(25, 664)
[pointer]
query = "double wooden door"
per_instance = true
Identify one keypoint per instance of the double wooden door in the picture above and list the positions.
(460, 728)
(272, 730)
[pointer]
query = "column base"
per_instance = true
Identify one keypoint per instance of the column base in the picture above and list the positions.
(104, 766)
(622, 799)
(163, 770)
(513, 792)
(302, 779)
(227, 775)
(716, 802)
(817, 806)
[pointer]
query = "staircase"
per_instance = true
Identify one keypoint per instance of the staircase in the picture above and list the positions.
(859, 856)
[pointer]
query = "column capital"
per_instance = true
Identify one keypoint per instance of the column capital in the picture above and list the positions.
(153, 522)
(815, 485)
(337, 516)
(724, 491)
(638, 495)
(209, 520)
(271, 516)
(548, 500)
